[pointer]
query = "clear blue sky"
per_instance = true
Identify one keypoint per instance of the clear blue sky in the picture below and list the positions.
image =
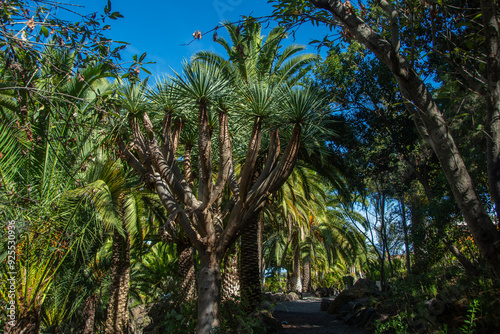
(161, 27)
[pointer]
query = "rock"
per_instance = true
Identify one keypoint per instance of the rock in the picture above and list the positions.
(348, 281)
(436, 306)
(343, 311)
(366, 315)
(324, 304)
(350, 319)
(418, 325)
(267, 320)
(292, 296)
(265, 305)
(140, 318)
(362, 289)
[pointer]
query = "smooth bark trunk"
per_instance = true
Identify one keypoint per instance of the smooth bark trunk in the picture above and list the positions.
(432, 127)
(491, 31)
(407, 243)
(464, 261)
(209, 281)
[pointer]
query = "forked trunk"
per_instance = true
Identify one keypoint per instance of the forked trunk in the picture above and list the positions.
(209, 280)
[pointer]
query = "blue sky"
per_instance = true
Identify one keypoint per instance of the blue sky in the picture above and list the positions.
(160, 28)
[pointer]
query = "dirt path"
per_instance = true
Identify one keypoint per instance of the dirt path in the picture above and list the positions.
(305, 316)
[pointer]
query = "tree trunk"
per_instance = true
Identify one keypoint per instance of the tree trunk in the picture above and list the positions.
(28, 323)
(230, 276)
(464, 261)
(185, 269)
(491, 31)
(250, 264)
(89, 314)
(295, 279)
(432, 127)
(383, 239)
(209, 280)
(117, 317)
(405, 231)
(306, 282)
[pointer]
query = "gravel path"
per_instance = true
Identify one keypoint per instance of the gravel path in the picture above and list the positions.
(304, 316)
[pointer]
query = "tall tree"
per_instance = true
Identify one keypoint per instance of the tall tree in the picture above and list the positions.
(201, 215)
(257, 64)
(425, 112)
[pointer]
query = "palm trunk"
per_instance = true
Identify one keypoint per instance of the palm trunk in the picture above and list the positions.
(249, 264)
(295, 280)
(186, 271)
(306, 282)
(117, 317)
(28, 323)
(230, 276)
(209, 281)
(89, 314)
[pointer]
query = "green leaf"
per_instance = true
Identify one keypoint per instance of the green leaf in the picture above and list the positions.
(142, 57)
(142, 68)
(44, 31)
(115, 15)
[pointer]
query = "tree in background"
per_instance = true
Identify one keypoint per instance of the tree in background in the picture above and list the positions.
(429, 120)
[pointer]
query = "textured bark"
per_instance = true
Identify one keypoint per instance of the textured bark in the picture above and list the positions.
(185, 271)
(28, 323)
(89, 314)
(231, 276)
(491, 31)
(209, 280)
(306, 281)
(201, 215)
(432, 126)
(295, 277)
(117, 317)
(250, 264)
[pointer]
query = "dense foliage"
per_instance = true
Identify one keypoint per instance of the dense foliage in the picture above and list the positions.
(130, 206)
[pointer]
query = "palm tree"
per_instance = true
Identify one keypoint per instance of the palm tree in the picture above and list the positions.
(35, 173)
(312, 229)
(120, 211)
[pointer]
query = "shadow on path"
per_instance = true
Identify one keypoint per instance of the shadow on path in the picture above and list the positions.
(304, 316)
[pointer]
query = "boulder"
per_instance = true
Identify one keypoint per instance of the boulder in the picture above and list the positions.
(362, 289)
(292, 296)
(324, 304)
(263, 317)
